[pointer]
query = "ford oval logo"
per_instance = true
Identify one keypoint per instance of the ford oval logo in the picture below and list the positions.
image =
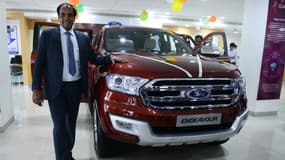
(198, 93)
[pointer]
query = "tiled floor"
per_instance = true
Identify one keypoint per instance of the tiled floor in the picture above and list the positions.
(30, 138)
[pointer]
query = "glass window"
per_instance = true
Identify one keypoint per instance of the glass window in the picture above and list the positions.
(144, 40)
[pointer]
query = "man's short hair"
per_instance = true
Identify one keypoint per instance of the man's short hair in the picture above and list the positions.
(68, 5)
(198, 36)
(233, 45)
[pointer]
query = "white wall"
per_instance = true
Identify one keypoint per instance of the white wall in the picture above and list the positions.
(251, 52)
(234, 37)
(6, 113)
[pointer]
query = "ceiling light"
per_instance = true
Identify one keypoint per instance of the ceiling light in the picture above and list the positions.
(198, 27)
(235, 31)
(48, 19)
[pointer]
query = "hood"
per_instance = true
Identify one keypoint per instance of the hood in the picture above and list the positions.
(152, 66)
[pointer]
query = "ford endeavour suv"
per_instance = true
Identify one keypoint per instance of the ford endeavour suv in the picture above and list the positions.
(164, 95)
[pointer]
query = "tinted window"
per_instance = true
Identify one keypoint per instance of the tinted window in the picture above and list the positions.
(144, 40)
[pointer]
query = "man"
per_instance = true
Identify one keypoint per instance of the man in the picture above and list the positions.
(61, 62)
(198, 40)
(198, 43)
(233, 53)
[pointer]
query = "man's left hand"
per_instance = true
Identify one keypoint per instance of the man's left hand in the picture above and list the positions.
(116, 59)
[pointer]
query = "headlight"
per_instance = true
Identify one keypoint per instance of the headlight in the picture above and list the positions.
(241, 84)
(125, 84)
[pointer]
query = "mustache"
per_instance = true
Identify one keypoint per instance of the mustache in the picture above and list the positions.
(69, 21)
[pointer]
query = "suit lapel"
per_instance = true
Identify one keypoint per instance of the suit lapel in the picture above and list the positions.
(79, 40)
(58, 39)
(59, 45)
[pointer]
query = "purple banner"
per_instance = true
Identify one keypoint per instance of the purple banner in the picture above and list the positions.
(273, 59)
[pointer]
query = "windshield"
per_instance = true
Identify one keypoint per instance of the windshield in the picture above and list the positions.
(144, 40)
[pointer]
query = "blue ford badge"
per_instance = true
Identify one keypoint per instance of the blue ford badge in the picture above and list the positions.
(198, 93)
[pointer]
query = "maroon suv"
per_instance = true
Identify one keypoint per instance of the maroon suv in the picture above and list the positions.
(164, 95)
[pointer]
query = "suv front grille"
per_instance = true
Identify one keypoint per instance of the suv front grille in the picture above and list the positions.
(190, 93)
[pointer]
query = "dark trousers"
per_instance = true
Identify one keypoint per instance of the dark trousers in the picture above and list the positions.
(64, 111)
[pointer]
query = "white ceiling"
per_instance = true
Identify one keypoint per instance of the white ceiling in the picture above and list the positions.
(231, 10)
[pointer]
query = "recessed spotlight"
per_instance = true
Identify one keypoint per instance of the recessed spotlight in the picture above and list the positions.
(198, 27)
(48, 19)
(235, 31)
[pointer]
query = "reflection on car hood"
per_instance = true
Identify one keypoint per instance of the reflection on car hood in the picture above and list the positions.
(143, 64)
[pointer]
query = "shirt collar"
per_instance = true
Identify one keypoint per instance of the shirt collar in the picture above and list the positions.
(62, 30)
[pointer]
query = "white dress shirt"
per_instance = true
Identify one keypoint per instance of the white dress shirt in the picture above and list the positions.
(233, 55)
(66, 76)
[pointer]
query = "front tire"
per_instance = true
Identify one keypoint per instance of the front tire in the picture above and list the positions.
(104, 146)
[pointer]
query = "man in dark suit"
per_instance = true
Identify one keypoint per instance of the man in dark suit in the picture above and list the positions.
(62, 59)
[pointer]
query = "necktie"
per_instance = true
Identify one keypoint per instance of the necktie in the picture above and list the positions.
(71, 59)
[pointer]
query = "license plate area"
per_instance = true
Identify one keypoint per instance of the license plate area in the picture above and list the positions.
(198, 120)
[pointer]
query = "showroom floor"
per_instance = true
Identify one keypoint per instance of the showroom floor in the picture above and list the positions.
(30, 138)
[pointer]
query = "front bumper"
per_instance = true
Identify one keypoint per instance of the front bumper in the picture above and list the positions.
(147, 138)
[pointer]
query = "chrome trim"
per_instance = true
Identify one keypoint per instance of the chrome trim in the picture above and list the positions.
(146, 137)
(224, 92)
(200, 66)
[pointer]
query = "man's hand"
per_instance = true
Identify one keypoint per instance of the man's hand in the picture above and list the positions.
(116, 59)
(38, 97)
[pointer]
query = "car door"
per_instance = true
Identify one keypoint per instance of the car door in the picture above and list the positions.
(188, 39)
(215, 46)
(38, 28)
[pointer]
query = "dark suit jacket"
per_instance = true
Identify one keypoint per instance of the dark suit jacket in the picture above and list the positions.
(49, 62)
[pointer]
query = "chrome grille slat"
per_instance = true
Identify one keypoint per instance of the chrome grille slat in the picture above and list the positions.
(173, 99)
(174, 93)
